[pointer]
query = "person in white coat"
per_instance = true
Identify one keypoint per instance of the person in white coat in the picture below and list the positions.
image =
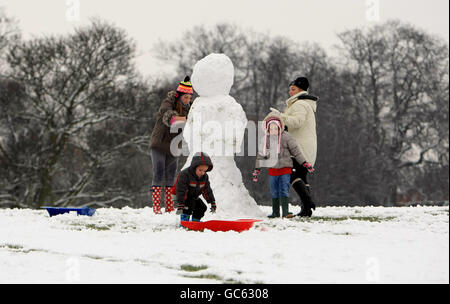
(300, 120)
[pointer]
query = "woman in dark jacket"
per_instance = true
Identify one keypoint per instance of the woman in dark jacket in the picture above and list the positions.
(174, 109)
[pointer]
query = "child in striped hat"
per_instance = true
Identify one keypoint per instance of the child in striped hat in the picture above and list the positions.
(281, 167)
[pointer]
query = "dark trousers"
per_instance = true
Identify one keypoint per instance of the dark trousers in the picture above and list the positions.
(164, 168)
(299, 182)
(195, 207)
(298, 171)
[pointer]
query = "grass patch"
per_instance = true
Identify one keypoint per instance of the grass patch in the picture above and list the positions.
(372, 218)
(207, 276)
(82, 226)
(211, 276)
(33, 250)
(143, 262)
(20, 248)
(93, 257)
(98, 257)
(12, 247)
(231, 281)
(346, 218)
(98, 228)
(192, 268)
(438, 213)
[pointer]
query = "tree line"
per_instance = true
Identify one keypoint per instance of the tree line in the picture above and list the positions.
(76, 115)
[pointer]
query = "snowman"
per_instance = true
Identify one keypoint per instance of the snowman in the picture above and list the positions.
(216, 125)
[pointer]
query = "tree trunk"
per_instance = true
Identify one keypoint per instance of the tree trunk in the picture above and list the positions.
(45, 195)
(393, 195)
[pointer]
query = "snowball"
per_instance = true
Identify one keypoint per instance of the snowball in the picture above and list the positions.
(213, 75)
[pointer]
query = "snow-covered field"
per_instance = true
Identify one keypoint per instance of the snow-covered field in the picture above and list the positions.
(337, 245)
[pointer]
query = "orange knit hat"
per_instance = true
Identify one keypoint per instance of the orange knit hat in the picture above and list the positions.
(185, 86)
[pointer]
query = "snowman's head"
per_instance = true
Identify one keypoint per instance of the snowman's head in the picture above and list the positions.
(213, 75)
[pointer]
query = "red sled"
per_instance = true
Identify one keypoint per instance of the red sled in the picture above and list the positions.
(216, 225)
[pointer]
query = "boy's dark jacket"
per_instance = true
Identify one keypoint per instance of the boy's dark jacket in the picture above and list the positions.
(189, 186)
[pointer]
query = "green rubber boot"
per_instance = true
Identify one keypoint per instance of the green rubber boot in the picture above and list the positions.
(275, 208)
(285, 207)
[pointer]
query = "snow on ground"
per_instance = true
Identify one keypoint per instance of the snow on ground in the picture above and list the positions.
(336, 245)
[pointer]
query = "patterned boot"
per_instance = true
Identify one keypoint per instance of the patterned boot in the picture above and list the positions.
(156, 197)
(168, 199)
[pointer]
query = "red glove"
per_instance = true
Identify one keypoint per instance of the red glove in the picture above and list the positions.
(255, 174)
(308, 166)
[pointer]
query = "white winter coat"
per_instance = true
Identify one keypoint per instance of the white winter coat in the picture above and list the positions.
(299, 116)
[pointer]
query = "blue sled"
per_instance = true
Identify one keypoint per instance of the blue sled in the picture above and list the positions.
(60, 210)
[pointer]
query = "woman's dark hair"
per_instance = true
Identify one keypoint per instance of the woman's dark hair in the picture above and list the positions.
(179, 103)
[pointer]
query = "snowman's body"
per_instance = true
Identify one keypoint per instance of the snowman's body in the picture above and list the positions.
(216, 125)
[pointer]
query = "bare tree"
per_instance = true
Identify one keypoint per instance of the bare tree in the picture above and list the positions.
(383, 102)
(61, 77)
(397, 71)
(200, 42)
(9, 33)
(264, 67)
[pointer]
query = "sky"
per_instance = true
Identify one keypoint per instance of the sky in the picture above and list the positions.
(147, 22)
